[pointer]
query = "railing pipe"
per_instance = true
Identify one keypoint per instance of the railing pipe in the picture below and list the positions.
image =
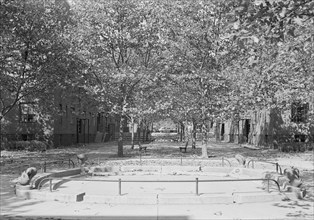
(56, 161)
(45, 180)
(45, 167)
(278, 167)
(175, 181)
(196, 180)
(223, 161)
(120, 187)
(50, 185)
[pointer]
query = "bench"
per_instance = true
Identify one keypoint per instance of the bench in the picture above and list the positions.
(140, 147)
(174, 139)
(183, 149)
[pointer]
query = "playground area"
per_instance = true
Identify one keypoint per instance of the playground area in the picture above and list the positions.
(176, 186)
(161, 185)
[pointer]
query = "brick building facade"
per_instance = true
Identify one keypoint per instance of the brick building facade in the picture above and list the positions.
(263, 127)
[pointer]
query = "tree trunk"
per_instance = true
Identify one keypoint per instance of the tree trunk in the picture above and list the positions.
(205, 134)
(181, 131)
(217, 131)
(132, 132)
(205, 141)
(147, 133)
(186, 131)
(0, 135)
(194, 135)
(120, 139)
(139, 131)
(144, 131)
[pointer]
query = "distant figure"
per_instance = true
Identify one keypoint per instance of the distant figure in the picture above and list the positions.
(240, 159)
(82, 158)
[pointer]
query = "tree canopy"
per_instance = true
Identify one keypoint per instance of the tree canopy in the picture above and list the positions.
(192, 60)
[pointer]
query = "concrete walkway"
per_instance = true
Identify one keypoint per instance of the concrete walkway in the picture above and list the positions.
(11, 207)
(36, 209)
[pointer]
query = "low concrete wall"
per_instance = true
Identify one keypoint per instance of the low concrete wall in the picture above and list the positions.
(156, 198)
(140, 168)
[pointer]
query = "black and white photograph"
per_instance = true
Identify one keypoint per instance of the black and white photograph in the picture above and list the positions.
(156, 109)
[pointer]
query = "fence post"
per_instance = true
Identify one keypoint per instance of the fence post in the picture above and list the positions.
(196, 180)
(50, 185)
(45, 164)
(223, 161)
(181, 159)
(268, 184)
(119, 187)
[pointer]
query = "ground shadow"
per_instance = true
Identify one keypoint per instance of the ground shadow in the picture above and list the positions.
(96, 218)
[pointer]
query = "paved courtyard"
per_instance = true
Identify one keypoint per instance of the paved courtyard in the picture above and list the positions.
(35, 209)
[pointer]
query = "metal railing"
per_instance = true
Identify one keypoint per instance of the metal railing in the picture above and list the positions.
(69, 161)
(182, 159)
(62, 181)
(278, 167)
(223, 161)
(196, 181)
(44, 164)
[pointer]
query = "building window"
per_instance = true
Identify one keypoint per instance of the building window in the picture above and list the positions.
(299, 112)
(27, 137)
(27, 112)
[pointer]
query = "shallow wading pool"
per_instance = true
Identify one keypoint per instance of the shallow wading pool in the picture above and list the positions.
(150, 184)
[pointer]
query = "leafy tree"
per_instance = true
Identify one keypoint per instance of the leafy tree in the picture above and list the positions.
(275, 67)
(33, 54)
(276, 39)
(199, 52)
(120, 40)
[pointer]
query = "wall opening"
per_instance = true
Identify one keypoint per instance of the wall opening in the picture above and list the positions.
(247, 127)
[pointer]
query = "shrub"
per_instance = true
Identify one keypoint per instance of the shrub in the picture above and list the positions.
(37, 146)
(26, 145)
(20, 145)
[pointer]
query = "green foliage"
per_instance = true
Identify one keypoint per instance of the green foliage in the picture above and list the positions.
(121, 42)
(193, 61)
(34, 57)
(276, 40)
(25, 145)
(197, 60)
